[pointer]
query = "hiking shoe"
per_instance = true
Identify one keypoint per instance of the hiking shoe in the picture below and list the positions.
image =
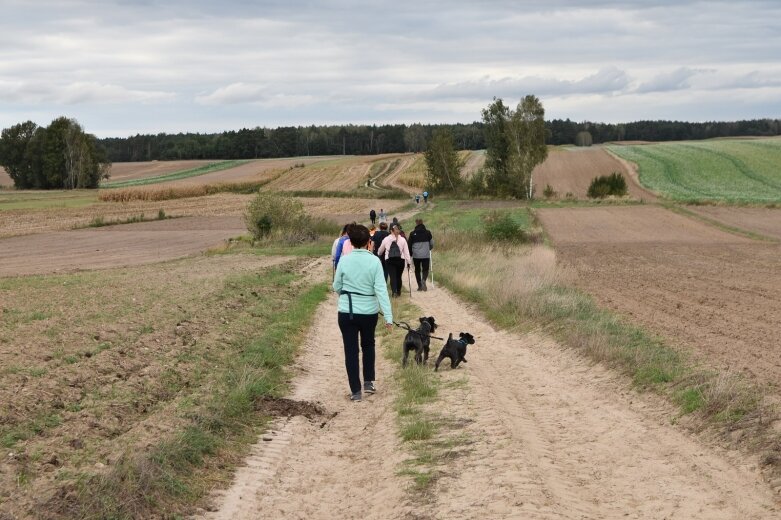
(368, 387)
(355, 397)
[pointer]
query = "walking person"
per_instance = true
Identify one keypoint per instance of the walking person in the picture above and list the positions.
(397, 257)
(421, 243)
(377, 239)
(362, 292)
(336, 248)
(425, 197)
(383, 216)
(417, 198)
(373, 216)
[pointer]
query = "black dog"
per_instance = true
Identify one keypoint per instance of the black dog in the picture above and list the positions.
(455, 349)
(419, 340)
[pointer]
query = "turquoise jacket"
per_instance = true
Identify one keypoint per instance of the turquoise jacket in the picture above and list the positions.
(360, 273)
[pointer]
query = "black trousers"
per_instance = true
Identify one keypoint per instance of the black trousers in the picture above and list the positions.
(395, 268)
(421, 264)
(360, 325)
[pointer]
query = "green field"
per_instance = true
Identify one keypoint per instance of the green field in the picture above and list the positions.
(183, 174)
(38, 199)
(735, 171)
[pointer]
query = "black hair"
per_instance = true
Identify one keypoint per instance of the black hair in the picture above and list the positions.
(359, 235)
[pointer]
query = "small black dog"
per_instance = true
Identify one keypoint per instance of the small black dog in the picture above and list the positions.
(419, 341)
(455, 349)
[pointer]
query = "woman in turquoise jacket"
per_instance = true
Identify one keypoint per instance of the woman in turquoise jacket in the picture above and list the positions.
(362, 292)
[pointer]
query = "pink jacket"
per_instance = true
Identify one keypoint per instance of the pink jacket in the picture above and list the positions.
(347, 248)
(402, 243)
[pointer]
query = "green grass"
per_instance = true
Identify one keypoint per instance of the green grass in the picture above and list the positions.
(57, 199)
(183, 174)
(730, 171)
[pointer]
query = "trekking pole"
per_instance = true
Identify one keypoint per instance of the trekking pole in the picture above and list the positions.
(431, 266)
(409, 282)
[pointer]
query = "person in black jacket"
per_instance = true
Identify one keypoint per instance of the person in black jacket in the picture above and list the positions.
(377, 238)
(421, 243)
(373, 216)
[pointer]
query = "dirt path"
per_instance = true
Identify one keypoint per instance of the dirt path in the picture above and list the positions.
(545, 435)
(341, 466)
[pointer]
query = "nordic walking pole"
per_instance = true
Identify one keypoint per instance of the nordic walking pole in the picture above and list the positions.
(431, 266)
(409, 282)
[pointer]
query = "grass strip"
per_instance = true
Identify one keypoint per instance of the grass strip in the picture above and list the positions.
(430, 436)
(182, 174)
(720, 225)
(170, 477)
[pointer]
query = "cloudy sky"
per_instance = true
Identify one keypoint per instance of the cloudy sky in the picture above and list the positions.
(122, 67)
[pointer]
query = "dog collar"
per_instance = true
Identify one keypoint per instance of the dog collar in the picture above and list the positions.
(464, 343)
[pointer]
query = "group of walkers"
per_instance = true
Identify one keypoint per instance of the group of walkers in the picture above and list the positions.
(425, 197)
(364, 260)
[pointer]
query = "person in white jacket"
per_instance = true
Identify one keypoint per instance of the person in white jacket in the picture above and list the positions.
(396, 252)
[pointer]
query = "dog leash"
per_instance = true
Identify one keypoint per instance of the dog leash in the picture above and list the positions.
(401, 325)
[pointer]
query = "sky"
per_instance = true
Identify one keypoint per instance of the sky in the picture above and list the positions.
(122, 67)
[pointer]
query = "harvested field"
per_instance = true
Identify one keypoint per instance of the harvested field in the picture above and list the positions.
(763, 221)
(126, 171)
(5, 179)
(27, 221)
(715, 293)
(97, 365)
(571, 170)
(333, 174)
(114, 246)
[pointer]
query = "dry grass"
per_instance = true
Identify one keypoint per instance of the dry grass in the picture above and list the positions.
(177, 192)
(414, 176)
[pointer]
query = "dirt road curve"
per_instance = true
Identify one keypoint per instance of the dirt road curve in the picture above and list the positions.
(114, 246)
(545, 436)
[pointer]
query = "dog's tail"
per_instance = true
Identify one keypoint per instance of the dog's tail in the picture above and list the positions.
(450, 337)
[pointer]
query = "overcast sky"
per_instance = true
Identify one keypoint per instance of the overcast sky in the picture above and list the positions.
(122, 67)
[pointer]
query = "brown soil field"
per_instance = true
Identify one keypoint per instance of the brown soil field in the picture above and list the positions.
(114, 246)
(5, 179)
(763, 221)
(716, 294)
(97, 363)
(571, 170)
(29, 221)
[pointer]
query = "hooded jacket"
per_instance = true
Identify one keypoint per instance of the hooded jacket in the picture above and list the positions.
(421, 242)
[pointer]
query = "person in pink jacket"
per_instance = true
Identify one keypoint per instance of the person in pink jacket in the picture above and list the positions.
(396, 252)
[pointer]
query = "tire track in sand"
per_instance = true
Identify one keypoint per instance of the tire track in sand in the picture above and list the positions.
(553, 436)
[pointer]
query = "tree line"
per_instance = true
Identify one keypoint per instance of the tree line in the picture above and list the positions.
(59, 156)
(290, 141)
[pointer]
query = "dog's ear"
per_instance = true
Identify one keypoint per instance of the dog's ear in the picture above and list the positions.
(423, 320)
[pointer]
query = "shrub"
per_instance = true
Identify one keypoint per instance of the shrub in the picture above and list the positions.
(548, 192)
(274, 213)
(613, 184)
(476, 185)
(583, 139)
(501, 226)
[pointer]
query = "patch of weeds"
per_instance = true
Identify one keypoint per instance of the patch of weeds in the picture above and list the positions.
(419, 429)
(71, 359)
(37, 371)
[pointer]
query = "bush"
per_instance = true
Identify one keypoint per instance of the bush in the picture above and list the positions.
(605, 185)
(273, 213)
(501, 227)
(548, 192)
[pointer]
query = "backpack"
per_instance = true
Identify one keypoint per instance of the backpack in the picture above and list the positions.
(394, 251)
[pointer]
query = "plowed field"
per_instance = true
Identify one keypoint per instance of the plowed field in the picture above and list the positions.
(715, 293)
(763, 221)
(571, 171)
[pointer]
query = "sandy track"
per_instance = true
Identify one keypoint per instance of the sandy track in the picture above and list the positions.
(474, 162)
(335, 467)
(717, 294)
(114, 246)
(545, 435)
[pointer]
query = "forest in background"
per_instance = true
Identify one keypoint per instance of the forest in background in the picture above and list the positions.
(291, 141)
